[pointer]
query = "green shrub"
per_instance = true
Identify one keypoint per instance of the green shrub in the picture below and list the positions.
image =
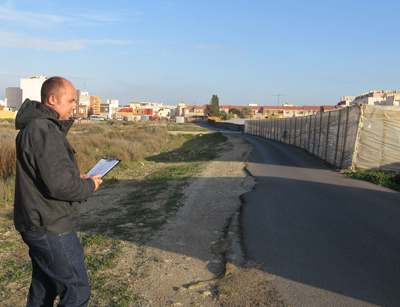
(386, 179)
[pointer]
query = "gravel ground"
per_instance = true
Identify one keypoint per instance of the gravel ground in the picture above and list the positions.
(196, 259)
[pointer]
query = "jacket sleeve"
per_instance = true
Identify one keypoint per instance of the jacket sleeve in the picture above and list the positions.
(57, 168)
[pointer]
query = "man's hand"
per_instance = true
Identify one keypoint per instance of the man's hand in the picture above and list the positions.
(97, 181)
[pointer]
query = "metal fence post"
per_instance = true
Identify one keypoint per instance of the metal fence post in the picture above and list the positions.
(337, 137)
(327, 134)
(320, 132)
(309, 131)
(302, 138)
(345, 137)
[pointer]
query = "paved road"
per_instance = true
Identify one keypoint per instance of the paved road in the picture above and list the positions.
(329, 239)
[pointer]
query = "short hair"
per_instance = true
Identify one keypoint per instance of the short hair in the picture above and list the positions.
(52, 86)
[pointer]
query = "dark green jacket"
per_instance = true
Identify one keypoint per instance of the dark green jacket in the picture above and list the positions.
(48, 187)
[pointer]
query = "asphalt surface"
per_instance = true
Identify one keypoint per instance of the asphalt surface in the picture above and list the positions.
(329, 239)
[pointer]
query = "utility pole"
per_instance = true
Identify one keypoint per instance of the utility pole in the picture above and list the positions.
(279, 96)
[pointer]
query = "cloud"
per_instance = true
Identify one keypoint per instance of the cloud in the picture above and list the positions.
(207, 47)
(14, 40)
(97, 17)
(49, 20)
(8, 73)
(107, 42)
(330, 79)
(7, 13)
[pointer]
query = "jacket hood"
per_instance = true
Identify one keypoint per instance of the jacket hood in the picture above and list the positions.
(32, 110)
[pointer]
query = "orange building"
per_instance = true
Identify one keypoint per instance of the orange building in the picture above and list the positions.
(88, 105)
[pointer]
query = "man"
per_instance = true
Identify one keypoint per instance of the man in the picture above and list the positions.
(48, 192)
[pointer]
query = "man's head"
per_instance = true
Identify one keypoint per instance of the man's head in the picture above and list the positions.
(59, 94)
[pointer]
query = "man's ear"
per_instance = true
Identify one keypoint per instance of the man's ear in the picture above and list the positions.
(51, 100)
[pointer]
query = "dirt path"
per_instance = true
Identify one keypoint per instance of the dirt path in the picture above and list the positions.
(184, 262)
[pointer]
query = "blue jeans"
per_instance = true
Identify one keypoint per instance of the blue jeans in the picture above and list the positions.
(58, 270)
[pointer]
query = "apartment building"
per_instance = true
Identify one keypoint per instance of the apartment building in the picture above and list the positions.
(393, 100)
(375, 97)
(88, 105)
(107, 109)
(181, 107)
(13, 98)
(31, 87)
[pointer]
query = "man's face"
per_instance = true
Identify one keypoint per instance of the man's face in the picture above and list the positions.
(64, 102)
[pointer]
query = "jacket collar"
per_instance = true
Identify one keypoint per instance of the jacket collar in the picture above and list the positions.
(31, 110)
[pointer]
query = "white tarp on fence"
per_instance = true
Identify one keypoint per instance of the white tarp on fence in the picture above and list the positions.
(361, 136)
(378, 145)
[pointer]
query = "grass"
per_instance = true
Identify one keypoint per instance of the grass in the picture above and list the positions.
(107, 288)
(196, 148)
(390, 180)
(14, 270)
(6, 244)
(158, 180)
(92, 142)
(155, 198)
(185, 127)
(109, 182)
(160, 166)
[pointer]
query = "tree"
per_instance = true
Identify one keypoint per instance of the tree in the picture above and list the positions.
(215, 102)
(225, 116)
(245, 112)
(211, 110)
(233, 111)
(91, 112)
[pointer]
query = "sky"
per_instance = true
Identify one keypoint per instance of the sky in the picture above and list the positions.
(308, 52)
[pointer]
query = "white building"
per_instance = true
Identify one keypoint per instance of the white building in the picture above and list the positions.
(31, 87)
(174, 110)
(391, 101)
(369, 100)
(376, 98)
(181, 107)
(108, 109)
(84, 99)
(347, 99)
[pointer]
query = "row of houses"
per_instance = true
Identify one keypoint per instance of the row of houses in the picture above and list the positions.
(87, 105)
(138, 110)
(258, 112)
(382, 98)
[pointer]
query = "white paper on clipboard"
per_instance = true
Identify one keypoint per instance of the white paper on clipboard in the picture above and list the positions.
(103, 167)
